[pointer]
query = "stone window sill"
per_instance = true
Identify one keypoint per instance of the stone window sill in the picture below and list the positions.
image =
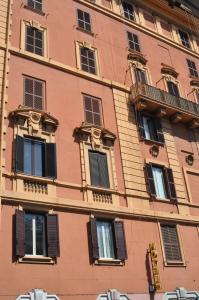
(109, 262)
(40, 12)
(85, 31)
(174, 264)
(37, 259)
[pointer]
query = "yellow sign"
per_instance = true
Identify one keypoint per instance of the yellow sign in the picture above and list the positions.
(154, 266)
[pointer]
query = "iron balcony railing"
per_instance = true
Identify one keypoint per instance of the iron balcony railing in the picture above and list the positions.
(145, 91)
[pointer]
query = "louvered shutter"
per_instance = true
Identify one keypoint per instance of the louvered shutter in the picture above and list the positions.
(19, 233)
(103, 170)
(94, 168)
(120, 241)
(53, 236)
(159, 132)
(94, 239)
(28, 91)
(171, 243)
(170, 184)
(150, 180)
(140, 125)
(19, 151)
(38, 94)
(50, 160)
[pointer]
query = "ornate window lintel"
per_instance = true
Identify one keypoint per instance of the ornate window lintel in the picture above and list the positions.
(137, 56)
(168, 70)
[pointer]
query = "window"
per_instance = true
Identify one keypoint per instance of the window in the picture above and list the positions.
(140, 75)
(133, 41)
(197, 95)
(173, 89)
(98, 169)
(150, 128)
(34, 40)
(35, 4)
(184, 39)
(35, 157)
(160, 182)
(92, 109)
(83, 19)
(87, 58)
(128, 11)
(36, 234)
(171, 243)
(108, 239)
(33, 93)
(192, 68)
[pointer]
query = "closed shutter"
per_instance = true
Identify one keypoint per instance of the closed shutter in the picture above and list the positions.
(53, 236)
(120, 241)
(19, 233)
(171, 243)
(140, 125)
(94, 170)
(94, 239)
(103, 169)
(150, 180)
(171, 184)
(28, 92)
(19, 157)
(38, 94)
(159, 132)
(50, 160)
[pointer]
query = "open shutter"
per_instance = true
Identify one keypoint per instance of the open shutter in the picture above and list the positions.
(19, 233)
(160, 134)
(171, 243)
(120, 241)
(103, 168)
(150, 180)
(94, 239)
(94, 168)
(53, 236)
(140, 125)
(19, 157)
(171, 184)
(50, 160)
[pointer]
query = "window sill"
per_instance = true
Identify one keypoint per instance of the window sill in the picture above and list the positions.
(109, 262)
(85, 31)
(34, 178)
(36, 259)
(100, 189)
(174, 264)
(153, 142)
(40, 12)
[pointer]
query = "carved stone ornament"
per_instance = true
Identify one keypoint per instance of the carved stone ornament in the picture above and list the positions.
(97, 136)
(37, 294)
(195, 81)
(166, 69)
(137, 56)
(34, 120)
(190, 159)
(154, 150)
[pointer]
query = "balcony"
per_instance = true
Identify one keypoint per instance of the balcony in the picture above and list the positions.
(162, 103)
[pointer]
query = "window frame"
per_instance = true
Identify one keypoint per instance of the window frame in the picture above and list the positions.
(83, 21)
(185, 42)
(193, 72)
(34, 8)
(78, 57)
(124, 13)
(169, 263)
(33, 45)
(43, 98)
(100, 109)
(87, 64)
(136, 44)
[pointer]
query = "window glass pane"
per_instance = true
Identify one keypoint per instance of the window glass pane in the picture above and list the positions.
(27, 157)
(146, 128)
(159, 182)
(100, 239)
(105, 239)
(28, 234)
(97, 120)
(40, 235)
(37, 159)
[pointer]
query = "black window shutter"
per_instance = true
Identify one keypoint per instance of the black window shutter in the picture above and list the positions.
(150, 180)
(94, 239)
(171, 243)
(50, 160)
(120, 241)
(171, 184)
(20, 233)
(140, 125)
(160, 134)
(53, 248)
(103, 169)
(19, 151)
(94, 169)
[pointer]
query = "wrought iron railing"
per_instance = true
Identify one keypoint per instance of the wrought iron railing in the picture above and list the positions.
(153, 93)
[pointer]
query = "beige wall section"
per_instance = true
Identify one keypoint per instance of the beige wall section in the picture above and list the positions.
(3, 20)
(132, 161)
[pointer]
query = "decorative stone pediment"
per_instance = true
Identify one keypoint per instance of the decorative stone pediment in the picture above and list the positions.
(97, 136)
(166, 69)
(137, 56)
(34, 120)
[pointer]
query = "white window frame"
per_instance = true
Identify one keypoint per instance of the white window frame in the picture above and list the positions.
(157, 183)
(104, 244)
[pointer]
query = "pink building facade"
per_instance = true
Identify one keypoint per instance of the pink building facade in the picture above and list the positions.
(99, 150)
